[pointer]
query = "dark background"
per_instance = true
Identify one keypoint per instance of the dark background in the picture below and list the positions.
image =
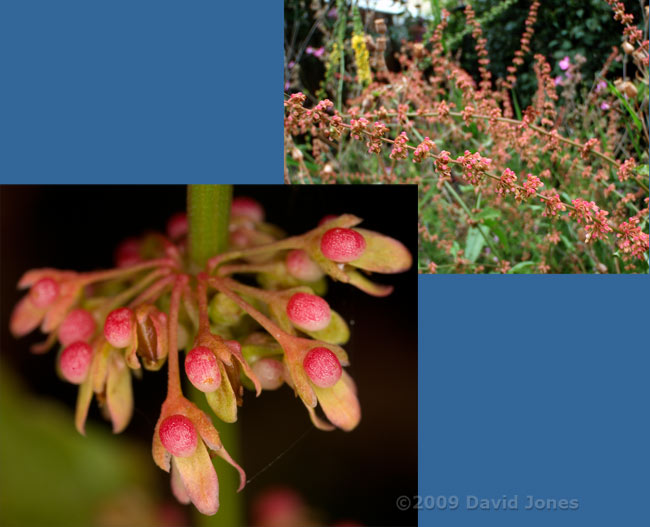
(356, 475)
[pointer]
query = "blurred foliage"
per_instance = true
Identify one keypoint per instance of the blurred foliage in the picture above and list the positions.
(563, 27)
(51, 475)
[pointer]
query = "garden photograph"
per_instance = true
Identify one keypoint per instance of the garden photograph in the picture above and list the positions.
(523, 123)
(208, 355)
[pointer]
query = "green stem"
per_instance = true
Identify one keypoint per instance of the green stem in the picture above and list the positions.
(208, 215)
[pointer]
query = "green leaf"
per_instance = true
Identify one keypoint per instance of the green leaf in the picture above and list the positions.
(521, 267)
(336, 332)
(474, 243)
(630, 110)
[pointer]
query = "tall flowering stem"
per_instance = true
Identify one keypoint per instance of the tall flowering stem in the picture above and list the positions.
(208, 215)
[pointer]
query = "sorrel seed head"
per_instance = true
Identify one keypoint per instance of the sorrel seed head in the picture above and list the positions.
(79, 324)
(302, 267)
(322, 367)
(269, 372)
(44, 292)
(308, 311)
(245, 206)
(342, 245)
(74, 362)
(202, 369)
(178, 435)
(118, 328)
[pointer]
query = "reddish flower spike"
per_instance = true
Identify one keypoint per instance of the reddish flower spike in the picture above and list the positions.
(44, 292)
(202, 369)
(309, 311)
(178, 435)
(118, 328)
(78, 325)
(342, 245)
(269, 372)
(322, 367)
(302, 267)
(75, 362)
(248, 207)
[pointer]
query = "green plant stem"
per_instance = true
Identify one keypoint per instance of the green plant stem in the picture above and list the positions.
(208, 214)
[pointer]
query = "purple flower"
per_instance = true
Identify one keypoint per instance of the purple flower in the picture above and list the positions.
(558, 80)
(605, 106)
(565, 63)
(601, 86)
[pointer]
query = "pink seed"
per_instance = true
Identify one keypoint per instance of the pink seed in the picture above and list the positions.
(75, 362)
(44, 292)
(309, 311)
(245, 206)
(322, 367)
(302, 267)
(342, 245)
(78, 325)
(269, 372)
(202, 369)
(118, 328)
(178, 435)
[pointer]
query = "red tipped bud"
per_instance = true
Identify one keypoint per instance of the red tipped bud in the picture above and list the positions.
(44, 292)
(75, 362)
(118, 328)
(309, 311)
(202, 369)
(322, 367)
(177, 226)
(302, 267)
(342, 245)
(178, 435)
(269, 372)
(78, 325)
(248, 207)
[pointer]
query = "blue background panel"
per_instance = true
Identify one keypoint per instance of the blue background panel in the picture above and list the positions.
(534, 386)
(147, 92)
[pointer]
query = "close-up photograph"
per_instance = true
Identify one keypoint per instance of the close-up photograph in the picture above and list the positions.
(258, 344)
(524, 123)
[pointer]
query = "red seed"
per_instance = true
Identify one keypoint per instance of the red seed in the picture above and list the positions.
(78, 325)
(322, 367)
(342, 245)
(245, 206)
(178, 435)
(302, 267)
(44, 292)
(309, 311)
(118, 328)
(202, 369)
(75, 361)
